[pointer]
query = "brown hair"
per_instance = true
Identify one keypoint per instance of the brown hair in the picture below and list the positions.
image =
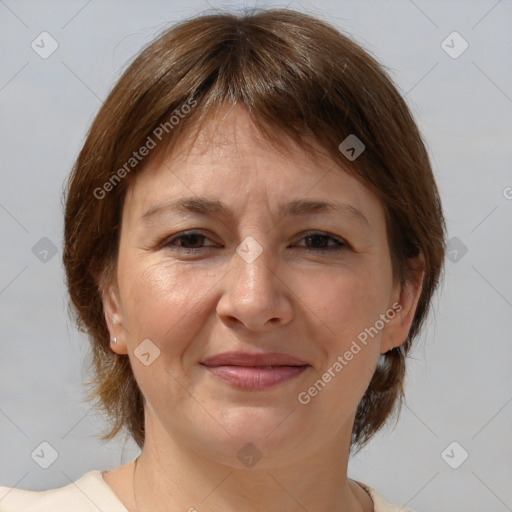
(294, 74)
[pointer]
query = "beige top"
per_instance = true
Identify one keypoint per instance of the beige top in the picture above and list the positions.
(91, 493)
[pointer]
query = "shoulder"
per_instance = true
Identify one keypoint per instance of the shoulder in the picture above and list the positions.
(379, 503)
(89, 493)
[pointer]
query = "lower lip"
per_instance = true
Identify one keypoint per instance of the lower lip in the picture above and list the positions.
(252, 377)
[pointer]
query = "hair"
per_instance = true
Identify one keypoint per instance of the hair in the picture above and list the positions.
(295, 75)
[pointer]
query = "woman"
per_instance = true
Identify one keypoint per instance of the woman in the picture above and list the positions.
(253, 236)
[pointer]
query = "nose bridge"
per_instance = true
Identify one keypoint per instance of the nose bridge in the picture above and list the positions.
(254, 294)
(254, 275)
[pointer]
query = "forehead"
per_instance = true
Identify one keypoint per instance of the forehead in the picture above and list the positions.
(229, 158)
(230, 133)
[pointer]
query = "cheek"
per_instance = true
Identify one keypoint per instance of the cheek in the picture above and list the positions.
(161, 302)
(165, 304)
(348, 300)
(348, 304)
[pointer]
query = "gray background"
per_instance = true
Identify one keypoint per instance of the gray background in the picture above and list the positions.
(459, 383)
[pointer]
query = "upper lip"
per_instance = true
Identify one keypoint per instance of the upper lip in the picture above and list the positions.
(247, 359)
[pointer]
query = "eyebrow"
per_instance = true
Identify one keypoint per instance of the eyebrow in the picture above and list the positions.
(212, 207)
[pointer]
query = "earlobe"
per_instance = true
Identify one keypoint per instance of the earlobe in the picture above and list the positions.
(396, 332)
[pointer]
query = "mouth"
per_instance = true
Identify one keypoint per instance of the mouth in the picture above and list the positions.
(255, 371)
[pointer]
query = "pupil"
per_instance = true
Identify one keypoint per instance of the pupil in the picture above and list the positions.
(193, 239)
(317, 238)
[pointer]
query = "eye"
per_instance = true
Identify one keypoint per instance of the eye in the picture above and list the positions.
(322, 241)
(190, 242)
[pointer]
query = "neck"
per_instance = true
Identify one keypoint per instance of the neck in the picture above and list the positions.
(171, 476)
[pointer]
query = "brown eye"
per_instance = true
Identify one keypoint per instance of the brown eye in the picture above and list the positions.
(191, 241)
(318, 242)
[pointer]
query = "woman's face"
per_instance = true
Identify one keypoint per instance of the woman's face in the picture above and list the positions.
(250, 263)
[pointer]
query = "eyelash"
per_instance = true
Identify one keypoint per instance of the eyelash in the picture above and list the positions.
(168, 242)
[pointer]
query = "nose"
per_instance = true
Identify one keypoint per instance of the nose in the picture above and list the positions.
(255, 295)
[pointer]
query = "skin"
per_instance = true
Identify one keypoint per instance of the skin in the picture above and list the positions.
(309, 304)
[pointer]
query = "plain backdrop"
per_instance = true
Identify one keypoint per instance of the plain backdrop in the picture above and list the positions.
(459, 383)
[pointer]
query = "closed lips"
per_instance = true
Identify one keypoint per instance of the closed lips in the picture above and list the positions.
(253, 360)
(255, 372)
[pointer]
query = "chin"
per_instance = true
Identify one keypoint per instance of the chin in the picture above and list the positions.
(272, 431)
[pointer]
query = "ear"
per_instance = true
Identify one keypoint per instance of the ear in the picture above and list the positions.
(404, 302)
(114, 317)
